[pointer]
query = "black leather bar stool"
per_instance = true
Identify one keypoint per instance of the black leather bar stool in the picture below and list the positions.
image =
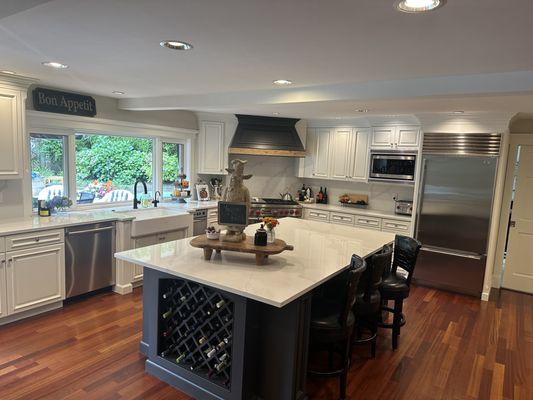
(332, 320)
(367, 307)
(395, 285)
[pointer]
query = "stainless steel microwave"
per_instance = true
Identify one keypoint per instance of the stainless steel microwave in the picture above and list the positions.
(392, 167)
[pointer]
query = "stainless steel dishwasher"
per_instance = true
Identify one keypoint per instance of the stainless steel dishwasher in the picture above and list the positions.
(89, 258)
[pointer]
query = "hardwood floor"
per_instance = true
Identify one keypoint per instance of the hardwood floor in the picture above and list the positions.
(452, 347)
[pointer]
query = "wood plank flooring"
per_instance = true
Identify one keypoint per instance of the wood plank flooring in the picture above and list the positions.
(452, 347)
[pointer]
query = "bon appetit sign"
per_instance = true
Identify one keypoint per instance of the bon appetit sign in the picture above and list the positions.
(63, 102)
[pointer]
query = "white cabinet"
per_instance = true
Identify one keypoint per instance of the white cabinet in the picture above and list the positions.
(150, 240)
(358, 164)
(322, 153)
(341, 218)
(316, 215)
(35, 277)
(364, 221)
(11, 132)
(3, 282)
(395, 226)
(212, 148)
(340, 139)
(408, 137)
(212, 218)
(383, 137)
(395, 137)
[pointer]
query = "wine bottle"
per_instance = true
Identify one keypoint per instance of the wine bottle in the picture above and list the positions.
(220, 366)
(202, 340)
(220, 303)
(180, 358)
(223, 357)
(211, 352)
(320, 196)
(325, 197)
(167, 294)
(167, 313)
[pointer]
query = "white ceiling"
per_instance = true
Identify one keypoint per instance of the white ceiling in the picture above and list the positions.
(240, 46)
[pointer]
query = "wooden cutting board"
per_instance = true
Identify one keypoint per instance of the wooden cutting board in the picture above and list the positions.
(246, 246)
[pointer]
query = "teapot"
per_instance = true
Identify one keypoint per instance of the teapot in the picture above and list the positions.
(286, 196)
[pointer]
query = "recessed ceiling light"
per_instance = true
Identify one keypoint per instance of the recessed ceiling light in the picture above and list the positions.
(176, 45)
(5, 71)
(418, 6)
(118, 92)
(282, 82)
(362, 110)
(458, 112)
(54, 64)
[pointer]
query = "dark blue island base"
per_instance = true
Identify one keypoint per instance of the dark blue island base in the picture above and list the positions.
(212, 344)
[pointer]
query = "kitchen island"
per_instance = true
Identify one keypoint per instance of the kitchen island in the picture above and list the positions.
(228, 329)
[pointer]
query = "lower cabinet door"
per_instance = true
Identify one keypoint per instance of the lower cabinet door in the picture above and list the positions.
(35, 277)
(3, 279)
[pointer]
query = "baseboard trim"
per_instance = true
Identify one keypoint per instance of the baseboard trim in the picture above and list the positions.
(143, 348)
(123, 289)
(30, 313)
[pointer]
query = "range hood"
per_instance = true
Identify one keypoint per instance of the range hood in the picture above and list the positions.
(266, 136)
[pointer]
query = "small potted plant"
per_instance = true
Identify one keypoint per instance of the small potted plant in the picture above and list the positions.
(270, 224)
(59, 203)
(212, 233)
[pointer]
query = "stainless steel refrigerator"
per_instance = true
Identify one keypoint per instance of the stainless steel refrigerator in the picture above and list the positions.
(454, 211)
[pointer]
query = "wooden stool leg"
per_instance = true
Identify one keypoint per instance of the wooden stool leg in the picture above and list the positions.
(208, 253)
(344, 373)
(396, 324)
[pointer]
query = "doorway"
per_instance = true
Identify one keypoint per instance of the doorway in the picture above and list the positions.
(517, 241)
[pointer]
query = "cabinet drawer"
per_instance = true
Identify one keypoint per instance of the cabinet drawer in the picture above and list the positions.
(317, 215)
(391, 225)
(40, 238)
(339, 218)
(212, 215)
(2, 244)
(368, 222)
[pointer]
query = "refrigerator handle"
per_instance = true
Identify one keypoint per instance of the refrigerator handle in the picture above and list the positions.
(420, 195)
(454, 253)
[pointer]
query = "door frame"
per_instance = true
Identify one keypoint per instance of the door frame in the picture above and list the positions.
(503, 220)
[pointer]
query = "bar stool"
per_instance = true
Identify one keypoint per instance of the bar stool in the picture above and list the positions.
(396, 286)
(367, 307)
(332, 321)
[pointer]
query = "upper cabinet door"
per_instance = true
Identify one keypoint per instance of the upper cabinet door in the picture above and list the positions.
(408, 137)
(359, 161)
(383, 137)
(11, 115)
(340, 153)
(211, 148)
(322, 153)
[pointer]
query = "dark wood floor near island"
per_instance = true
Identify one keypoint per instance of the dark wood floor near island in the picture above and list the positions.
(452, 347)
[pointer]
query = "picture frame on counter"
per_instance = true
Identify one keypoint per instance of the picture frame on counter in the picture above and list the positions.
(202, 192)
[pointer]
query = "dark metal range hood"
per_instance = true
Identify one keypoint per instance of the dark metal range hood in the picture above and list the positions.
(266, 136)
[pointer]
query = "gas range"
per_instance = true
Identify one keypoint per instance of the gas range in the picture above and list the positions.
(278, 208)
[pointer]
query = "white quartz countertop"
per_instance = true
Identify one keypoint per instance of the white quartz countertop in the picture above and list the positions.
(320, 252)
(9, 226)
(359, 211)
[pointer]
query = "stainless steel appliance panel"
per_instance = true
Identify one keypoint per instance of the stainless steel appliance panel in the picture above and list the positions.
(392, 167)
(455, 202)
(199, 220)
(449, 270)
(89, 260)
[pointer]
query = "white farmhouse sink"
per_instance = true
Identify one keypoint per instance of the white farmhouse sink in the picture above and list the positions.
(148, 221)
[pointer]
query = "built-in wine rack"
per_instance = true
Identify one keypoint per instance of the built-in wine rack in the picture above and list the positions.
(196, 329)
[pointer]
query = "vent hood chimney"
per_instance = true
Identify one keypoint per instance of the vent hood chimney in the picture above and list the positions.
(266, 136)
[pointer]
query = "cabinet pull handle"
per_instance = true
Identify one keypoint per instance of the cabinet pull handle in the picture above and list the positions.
(37, 239)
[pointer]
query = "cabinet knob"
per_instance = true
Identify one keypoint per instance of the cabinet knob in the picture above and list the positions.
(37, 239)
